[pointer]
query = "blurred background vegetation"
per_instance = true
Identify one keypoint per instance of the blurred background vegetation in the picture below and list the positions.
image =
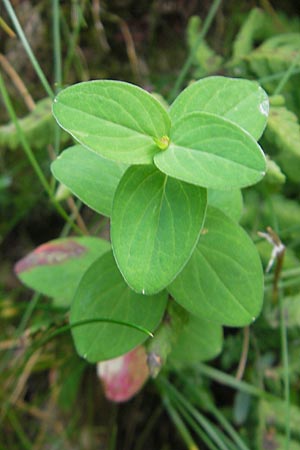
(50, 399)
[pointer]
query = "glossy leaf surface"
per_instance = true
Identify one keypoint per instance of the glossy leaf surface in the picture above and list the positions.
(92, 178)
(117, 120)
(156, 222)
(223, 281)
(241, 101)
(102, 293)
(55, 268)
(207, 150)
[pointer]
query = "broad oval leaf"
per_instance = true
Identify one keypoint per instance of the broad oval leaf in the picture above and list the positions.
(55, 268)
(223, 281)
(156, 223)
(213, 152)
(230, 202)
(102, 293)
(115, 119)
(92, 178)
(241, 101)
(199, 340)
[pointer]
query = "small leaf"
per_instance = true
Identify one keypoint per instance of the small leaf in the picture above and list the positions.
(124, 376)
(241, 101)
(117, 120)
(230, 202)
(223, 281)
(199, 340)
(55, 268)
(102, 293)
(283, 135)
(156, 222)
(210, 151)
(90, 177)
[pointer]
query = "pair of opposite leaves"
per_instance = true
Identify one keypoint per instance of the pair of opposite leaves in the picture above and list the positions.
(207, 140)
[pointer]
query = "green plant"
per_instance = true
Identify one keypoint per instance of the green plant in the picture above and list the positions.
(170, 182)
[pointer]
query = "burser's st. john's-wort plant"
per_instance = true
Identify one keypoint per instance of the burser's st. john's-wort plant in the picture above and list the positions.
(179, 265)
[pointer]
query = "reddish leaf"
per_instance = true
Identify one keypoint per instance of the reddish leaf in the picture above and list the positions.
(50, 253)
(56, 267)
(124, 376)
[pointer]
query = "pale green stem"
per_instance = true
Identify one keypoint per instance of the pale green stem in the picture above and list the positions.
(276, 76)
(56, 45)
(57, 63)
(286, 76)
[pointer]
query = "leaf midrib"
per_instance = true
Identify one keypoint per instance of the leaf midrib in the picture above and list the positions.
(242, 307)
(117, 124)
(173, 146)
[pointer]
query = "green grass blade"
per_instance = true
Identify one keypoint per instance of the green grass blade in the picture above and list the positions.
(23, 439)
(240, 445)
(57, 62)
(27, 48)
(30, 155)
(232, 382)
(179, 423)
(286, 76)
(286, 379)
(218, 438)
(211, 14)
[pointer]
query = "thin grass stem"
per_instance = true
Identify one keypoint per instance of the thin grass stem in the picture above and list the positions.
(188, 418)
(203, 422)
(183, 73)
(27, 48)
(30, 155)
(287, 74)
(179, 423)
(228, 380)
(276, 76)
(240, 445)
(56, 44)
(288, 273)
(284, 284)
(57, 63)
(23, 439)
(286, 376)
(148, 428)
(195, 426)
